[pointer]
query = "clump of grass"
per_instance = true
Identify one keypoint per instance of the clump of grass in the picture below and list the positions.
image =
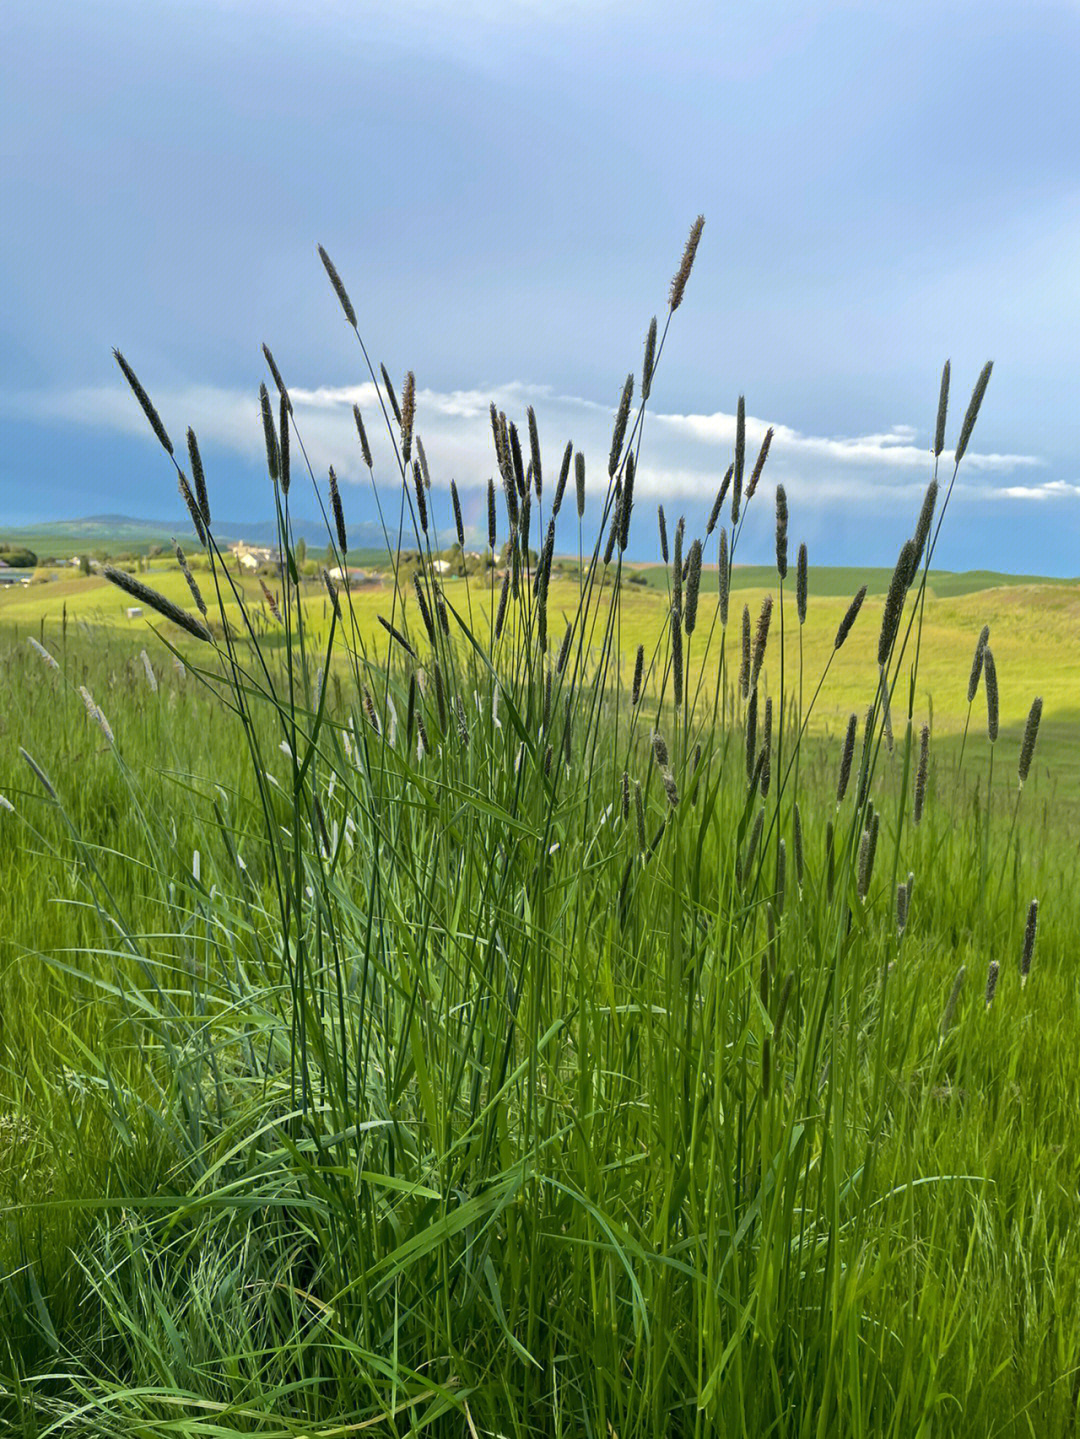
(549, 1062)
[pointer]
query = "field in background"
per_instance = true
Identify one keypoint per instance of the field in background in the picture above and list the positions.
(1034, 626)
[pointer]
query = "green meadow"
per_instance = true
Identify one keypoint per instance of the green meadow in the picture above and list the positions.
(523, 1005)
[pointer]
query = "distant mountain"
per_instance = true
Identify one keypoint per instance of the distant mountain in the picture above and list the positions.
(96, 531)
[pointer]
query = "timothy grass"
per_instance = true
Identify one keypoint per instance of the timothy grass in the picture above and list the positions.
(407, 1032)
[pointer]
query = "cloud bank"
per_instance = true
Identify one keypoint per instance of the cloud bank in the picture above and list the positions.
(683, 456)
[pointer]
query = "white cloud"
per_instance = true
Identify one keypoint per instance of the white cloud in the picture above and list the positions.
(682, 455)
(1052, 490)
(896, 448)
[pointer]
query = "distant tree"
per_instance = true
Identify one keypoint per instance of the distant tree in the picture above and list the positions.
(301, 551)
(19, 558)
(84, 564)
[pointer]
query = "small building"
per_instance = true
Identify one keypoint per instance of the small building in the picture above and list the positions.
(134, 612)
(250, 557)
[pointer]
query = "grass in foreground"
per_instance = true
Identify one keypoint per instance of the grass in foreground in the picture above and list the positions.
(455, 1035)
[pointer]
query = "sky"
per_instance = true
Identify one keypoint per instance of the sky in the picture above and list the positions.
(506, 187)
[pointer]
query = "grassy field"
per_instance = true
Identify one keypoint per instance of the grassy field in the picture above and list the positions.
(1033, 627)
(442, 1032)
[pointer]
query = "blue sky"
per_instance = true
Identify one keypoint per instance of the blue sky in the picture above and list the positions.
(506, 189)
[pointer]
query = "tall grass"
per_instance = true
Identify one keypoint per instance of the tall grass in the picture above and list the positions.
(442, 1034)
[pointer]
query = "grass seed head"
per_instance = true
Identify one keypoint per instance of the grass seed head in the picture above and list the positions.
(395, 634)
(613, 528)
(942, 411)
(671, 789)
(534, 449)
(649, 361)
(850, 617)
(973, 410)
(801, 584)
(627, 503)
(977, 663)
(95, 713)
(272, 604)
(723, 578)
(664, 552)
(718, 503)
(921, 772)
(459, 524)
(660, 750)
(759, 464)
(422, 605)
(579, 482)
(283, 431)
(751, 734)
(339, 288)
(686, 264)
(273, 454)
(847, 754)
(740, 461)
(192, 507)
(491, 517)
(867, 852)
(40, 650)
(440, 695)
(990, 684)
(992, 981)
(894, 602)
(622, 414)
(761, 638)
(365, 448)
(781, 531)
(276, 374)
(421, 455)
(516, 461)
(639, 669)
(744, 663)
(421, 495)
(1030, 930)
(564, 475)
(339, 514)
(388, 385)
(677, 566)
(408, 415)
(752, 842)
(864, 758)
(198, 477)
(504, 595)
(1031, 734)
(922, 525)
(463, 724)
(144, 400)
(676, 655)
(164, 606)
(693, 584)
(564, 649)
